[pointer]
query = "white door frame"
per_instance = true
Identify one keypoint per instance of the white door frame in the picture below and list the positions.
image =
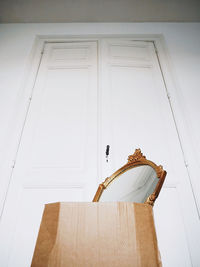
(176, 101)
(174, 94)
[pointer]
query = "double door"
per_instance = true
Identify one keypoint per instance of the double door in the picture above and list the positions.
(87, 95)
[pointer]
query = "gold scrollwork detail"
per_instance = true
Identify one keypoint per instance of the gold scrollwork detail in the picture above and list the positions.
(151, 199)
(136, 156)
(159, 170)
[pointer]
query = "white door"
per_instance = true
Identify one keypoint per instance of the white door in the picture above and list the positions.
(57, 157)
(136, 114)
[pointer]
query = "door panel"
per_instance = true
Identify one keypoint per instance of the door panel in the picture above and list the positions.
(57, 157)
(169, 222)
(136, 114)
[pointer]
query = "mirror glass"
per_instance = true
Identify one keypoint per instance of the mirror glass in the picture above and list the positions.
(133, 185)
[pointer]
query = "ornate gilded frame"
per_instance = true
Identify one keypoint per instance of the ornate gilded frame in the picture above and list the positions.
(137, 159)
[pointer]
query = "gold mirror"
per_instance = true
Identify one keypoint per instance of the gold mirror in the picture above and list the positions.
(140, 181)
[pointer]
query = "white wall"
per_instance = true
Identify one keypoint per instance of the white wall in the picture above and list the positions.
(99, 11)
(182, 45)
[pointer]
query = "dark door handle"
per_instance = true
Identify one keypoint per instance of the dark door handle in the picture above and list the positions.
(107, 152)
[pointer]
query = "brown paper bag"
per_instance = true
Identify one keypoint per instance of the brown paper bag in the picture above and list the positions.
(96, 234)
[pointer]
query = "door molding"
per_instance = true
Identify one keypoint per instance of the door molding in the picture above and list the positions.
(20, 109)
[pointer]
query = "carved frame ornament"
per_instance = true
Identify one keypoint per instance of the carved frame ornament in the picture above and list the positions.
(137, 159)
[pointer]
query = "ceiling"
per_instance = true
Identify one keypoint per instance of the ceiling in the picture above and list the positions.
(22, 11)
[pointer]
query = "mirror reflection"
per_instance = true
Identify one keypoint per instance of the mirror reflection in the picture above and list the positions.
(133, 185)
